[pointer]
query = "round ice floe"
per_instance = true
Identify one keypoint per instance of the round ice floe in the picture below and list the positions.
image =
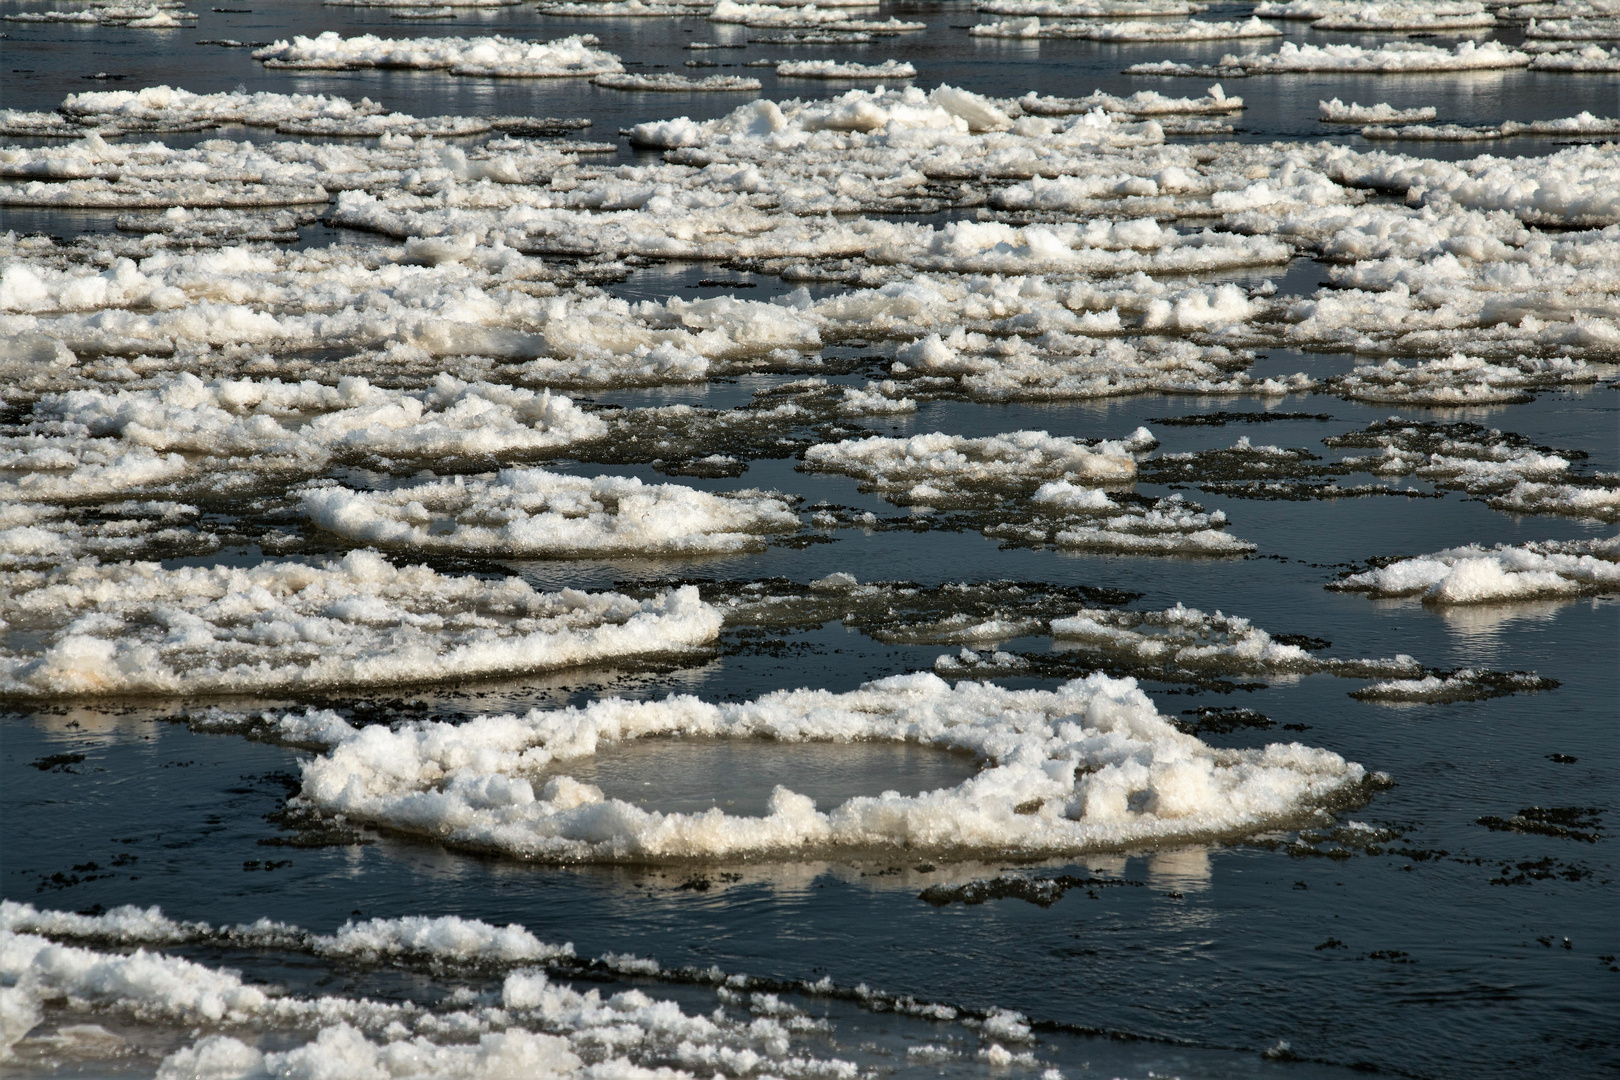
(1476, 575)
(537, 513)
(1093, 758)
(88, 628)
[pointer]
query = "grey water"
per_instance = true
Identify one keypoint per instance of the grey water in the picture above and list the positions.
(1453, 951)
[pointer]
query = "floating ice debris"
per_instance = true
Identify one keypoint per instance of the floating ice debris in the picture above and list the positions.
(1337, 112)
(809, 17)
(988, 483)
(834, 69)
(502, 56)
(1574, 29)
(1210, 644)
(1121, 774)
(361, 621)
(1462, 380)
(1089, 9)
(928, 468)
(1313, 10)
(93, 442)
(1477, 575)
(463, 1038)
(1508, 471)
(1466, 684)
(1583, 124)
(820, 37)
(672, 83)
(1587, 58)
(1140, 104)
(158, 16)
(530, 512)
(1566, 187)
(1390, 58)
(1561, 9)
(1404, 17)
(627, 9)
(1126, 31)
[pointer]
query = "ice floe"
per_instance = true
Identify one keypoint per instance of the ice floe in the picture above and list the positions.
(1579, 58)
(1089, 9)
(1403, 17)
(1391, 58)
(531, 512)
(1098, 763)
(1337, 112)
(806, 17)
(500, 56)
(1126, 31)
(1574, 29)
(668, 82)
(1584, 124)
(1479, 575)
(834, 69)
(93, 628)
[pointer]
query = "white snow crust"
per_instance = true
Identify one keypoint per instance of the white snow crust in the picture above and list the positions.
(671, 83)
(1103, 765)
(94, 628)
(495, 55)
(1337, 112)
(834, 69)
(1126, 31)
(1391, 58)
(1478, 575)
(531, 512)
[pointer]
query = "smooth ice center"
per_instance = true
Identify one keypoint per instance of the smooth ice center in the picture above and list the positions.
(738, 775)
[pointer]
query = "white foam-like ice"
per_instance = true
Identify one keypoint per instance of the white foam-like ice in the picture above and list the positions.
(93, 628)
(1100, 763)
(98, 442)
(1478, 575)
(1405, 17)
(495, 55)
(1208, 644)
(669, 82)
(1089, 9)
(1391, 58)
(1337, 112)
(1127, 31)
(835, 69)
(925, 467)
(531, 512)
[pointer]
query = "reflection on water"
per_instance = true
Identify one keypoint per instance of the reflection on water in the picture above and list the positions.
(1183, 870)
(738, 775)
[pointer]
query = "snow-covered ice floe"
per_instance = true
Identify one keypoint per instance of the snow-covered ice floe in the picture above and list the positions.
(1583, 124)
(1033, 488)
(244, 433)
(84, 627)
(70, 970)
(1396, 57)
(1126, 31)
(835, 69)
(1574, 29)
(1578, 58)
(1091, 764)
(669, 82)
(531, 512)
(1089, 9)
(1210, 644)
(1315, 10)
(807, 17)
(1143, 103)
(574, 56)
(137, 16)
(1479, 575)
(1405, 17)
(1337, 112)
